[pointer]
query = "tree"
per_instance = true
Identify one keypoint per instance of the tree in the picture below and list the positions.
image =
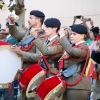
(19, 8)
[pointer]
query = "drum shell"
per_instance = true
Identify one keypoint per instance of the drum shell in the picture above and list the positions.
(10, 63)
(28, 74)
(52, 88)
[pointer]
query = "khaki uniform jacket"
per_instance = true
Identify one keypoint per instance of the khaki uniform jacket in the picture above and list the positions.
(75, 53)
(48, 50)
(96, 87)
(31, 56)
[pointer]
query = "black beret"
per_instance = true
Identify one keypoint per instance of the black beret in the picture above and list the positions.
(95, 30)
(37, 13)
(80, 29)
(95, 55)
(52, 22)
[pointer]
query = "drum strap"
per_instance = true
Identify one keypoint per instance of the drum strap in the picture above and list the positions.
(10, 90)
(61, 61)
(24, 48)
(28, 47)
(45, 58)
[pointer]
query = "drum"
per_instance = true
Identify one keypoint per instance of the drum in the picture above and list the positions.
(10, 63)
(31, 78)
(52, 88)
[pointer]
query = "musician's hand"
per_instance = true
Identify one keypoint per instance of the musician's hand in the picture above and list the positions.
(62, 32)
(11, 17)
(16, 49)
(34, 31)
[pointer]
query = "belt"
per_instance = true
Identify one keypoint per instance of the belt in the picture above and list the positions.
(4, 86)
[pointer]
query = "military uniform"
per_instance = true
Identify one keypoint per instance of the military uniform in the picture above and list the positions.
(81, 90)
(48, 49)
(54, 52)
(83, 87)
(96, 86)
(33, 54)
(30, 57)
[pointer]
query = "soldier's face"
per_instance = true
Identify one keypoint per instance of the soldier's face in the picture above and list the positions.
(75, 37)
(32, 21)
(48, 30)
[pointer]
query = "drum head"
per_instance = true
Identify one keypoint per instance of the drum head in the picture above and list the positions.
(10, 63)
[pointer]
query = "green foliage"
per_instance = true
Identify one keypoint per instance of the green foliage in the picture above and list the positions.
(11, 8)
(1, 6)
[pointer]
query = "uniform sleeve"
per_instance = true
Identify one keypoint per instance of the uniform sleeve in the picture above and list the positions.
(47, 50)
(16, 33)
(31, 56)
(74, 52)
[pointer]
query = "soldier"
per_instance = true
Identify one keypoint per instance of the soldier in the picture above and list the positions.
(78, 55)
(51, 46)
(30, 54)
(95, 93)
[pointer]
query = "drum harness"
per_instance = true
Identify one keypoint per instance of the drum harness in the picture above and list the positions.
(61, 62)
(30, 41)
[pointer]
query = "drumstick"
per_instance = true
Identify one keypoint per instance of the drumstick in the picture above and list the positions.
(34, 89)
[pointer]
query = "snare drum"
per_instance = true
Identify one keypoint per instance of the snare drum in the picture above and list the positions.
(10, 63)
(31, 78)
(52, 88)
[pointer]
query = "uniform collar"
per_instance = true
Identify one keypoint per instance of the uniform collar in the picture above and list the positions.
(79, 42)
(52, 38)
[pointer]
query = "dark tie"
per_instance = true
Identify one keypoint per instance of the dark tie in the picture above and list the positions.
(47, 42)
(73, 45)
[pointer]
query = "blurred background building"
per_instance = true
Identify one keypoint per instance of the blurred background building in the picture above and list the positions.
(65, 10)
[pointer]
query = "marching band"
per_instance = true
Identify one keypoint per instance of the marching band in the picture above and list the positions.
(46, 65)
